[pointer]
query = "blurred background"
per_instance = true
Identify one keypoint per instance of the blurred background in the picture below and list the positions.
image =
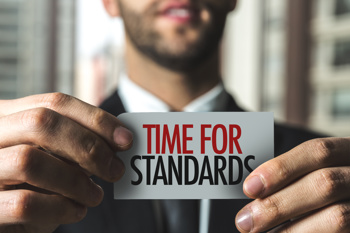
(290, 57)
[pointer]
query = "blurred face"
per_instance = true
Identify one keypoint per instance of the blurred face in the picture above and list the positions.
(177, 34)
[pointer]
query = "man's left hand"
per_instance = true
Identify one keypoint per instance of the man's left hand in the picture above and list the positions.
(304, 190)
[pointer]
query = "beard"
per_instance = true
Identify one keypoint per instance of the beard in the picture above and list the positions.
(181, 54)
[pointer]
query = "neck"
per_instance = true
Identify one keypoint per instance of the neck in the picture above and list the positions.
(174, 88)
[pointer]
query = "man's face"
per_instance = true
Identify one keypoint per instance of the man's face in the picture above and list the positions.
(177, 34)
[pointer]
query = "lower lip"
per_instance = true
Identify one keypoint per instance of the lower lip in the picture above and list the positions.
(179, 19)
(186, 19)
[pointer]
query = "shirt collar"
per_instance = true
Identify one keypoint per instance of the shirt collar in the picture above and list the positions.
(137, 99)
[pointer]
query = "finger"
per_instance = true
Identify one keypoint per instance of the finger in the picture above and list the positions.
(331, 219)
(102, 123)
(25, 206)
(311, 192)
(25, 164)
(64, 137)
(307, 157)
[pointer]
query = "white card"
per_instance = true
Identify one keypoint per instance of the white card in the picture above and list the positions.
(193, 155)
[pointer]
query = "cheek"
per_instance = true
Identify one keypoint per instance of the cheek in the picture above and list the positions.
(205, 16)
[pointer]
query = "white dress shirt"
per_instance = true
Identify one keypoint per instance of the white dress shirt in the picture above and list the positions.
(137, 99)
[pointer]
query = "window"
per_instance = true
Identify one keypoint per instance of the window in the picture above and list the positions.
(7, 77)
(341, 103)
(342, 7)
(330, 71)
(274, 53)
(342, 53)
(7, 95)
(9, 61)
(10, 10)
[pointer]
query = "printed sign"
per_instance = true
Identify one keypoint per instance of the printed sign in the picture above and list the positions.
(193, 155)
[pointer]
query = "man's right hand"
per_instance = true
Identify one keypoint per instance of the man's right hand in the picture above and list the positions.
(49, 146)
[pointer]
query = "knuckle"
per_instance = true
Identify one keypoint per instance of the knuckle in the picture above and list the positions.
(279, 168)
(271, 207)
(56, 100)
(24, 161)
(328, 183)
(339, 217)
(324, 148)
(98, 118)
(40, 119)
(95, 155)
(21, 205)
(91, 146)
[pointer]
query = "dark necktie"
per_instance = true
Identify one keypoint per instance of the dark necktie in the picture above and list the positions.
(180, 216)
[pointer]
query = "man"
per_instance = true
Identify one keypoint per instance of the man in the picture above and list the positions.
(51, 144)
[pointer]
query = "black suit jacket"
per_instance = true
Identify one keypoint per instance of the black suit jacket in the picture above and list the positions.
(114, 216)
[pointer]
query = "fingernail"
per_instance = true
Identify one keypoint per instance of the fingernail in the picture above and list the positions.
(122, 136)
(117, 169)
(254, 186)
(96, 194)
(244, 220)
(81, 212)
